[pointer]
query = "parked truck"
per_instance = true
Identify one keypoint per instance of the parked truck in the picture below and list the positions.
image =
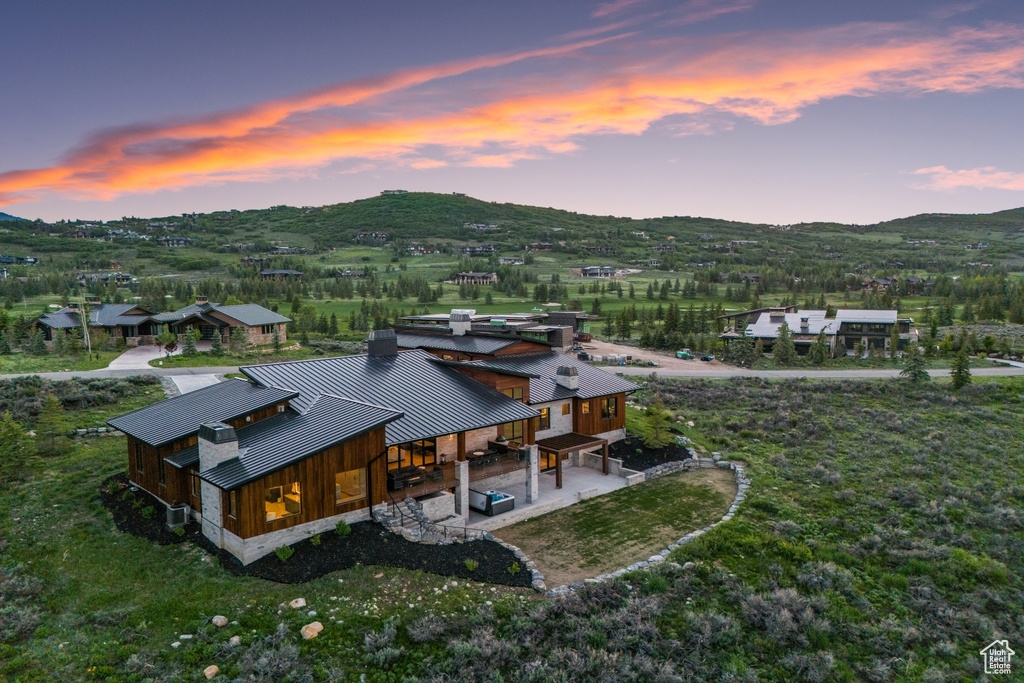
(685, 354)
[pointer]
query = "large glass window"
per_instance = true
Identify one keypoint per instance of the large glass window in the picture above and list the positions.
(513, 430)
(415, 453)
(609, 407)
(283, 501)
(349, 486)
(545, 418)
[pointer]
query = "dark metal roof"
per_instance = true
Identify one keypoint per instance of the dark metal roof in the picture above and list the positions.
(101, 315)
(466, 344)
(247, 314)
(436, 400)
(280, 440)
(180, 416)
(593, 381)
(186, 457)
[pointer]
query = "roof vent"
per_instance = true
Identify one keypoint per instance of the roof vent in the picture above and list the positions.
(201, 299)
(382, 343)
(460, 323)
(567, 376)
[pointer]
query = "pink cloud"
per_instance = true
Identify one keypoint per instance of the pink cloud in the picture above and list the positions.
(471, 113)
(941, 178)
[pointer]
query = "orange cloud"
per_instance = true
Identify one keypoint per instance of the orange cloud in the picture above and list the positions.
(471, 113)
(982, 178)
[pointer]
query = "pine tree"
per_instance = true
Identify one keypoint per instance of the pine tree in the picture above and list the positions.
(5, 344)
(894, 342)
(632, 292)
(60, 343)
(37, 344)
(656, 421)
(784, 350)
(960, 371)
(52, 428)
(217, 345)
(818, 353)
(650, 292)
(332, 327)
(915, 367)
(238, 341)
(188, 345)
(609, 327)
(15, 447)
(758, 352)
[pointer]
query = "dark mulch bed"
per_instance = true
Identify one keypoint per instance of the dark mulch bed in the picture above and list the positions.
(367, 544)
(128, 506)
(647, 457)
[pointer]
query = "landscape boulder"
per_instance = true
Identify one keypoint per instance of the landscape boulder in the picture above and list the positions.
(220, 621)
(297, 603)
(211, 671)
(312, 630)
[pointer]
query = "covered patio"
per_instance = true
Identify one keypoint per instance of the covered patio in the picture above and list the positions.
(563, 444)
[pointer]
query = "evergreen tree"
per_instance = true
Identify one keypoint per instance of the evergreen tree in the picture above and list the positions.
(275, 339)
(15, 447)
(624, 324)
(784, 350)
(595, 308)
(609, 327)
(60, 343)
(818, 353)
(960, 371)
(915, 367)
(217, 345)
(332, 326)
(894, 342)
(37, 344)
(188, 344)
(758, 352)
(656, 420)
(5, 344)
(632, 292)
(650, 292)
(489, 299)
(52, 428)
(238, 341)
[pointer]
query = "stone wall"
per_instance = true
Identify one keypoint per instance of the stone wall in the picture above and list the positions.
(251, 549)
(500, 481)
(438, 506)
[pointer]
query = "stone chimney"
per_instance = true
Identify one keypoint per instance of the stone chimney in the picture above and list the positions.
(777, 313)
(460, 323)
(804, 324)
(382, 343)
(217, 443)
(567, 376)
(201, 300)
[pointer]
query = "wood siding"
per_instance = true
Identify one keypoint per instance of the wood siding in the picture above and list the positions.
(177, 488)
(593, 423)
(315, 475)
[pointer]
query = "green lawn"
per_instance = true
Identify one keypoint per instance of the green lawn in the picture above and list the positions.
(209, 359)
(608, 532)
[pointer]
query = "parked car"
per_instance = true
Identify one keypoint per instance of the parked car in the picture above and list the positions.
(685, 354)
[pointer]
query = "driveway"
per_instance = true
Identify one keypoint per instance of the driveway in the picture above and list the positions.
(138, 358)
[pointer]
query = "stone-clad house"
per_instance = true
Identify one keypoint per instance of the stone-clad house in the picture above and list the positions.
(264, 461)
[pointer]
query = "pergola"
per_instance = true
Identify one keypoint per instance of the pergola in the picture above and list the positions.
(570, 443)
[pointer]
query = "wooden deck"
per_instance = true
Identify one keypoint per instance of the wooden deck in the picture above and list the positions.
(503, 465)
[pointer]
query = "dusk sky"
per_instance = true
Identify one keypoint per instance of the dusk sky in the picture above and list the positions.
(772, 111)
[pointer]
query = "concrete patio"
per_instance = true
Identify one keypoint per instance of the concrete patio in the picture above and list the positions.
(578, 484)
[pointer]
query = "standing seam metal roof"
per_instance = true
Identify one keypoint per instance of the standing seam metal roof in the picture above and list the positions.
(180, 416)
(543, 389)
(435, 400)
(286, 438)
(467, 344)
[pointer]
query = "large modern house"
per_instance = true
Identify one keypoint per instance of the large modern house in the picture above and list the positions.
(850, 327)
(139, 326)
(264, 461)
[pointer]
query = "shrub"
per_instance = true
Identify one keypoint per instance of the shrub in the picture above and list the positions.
(514, 568)
(284, 552)
(179, 531)
(315, 540)
(471, 565)
(342, 528)
(149, 512)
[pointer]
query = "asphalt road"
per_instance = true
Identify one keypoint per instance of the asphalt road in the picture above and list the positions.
(724, 372)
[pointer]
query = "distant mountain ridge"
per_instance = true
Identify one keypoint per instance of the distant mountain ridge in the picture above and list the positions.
(9, 217)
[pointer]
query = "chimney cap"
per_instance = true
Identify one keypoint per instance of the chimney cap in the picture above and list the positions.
(378, 335)
(217, 432)
(567, 371)
(459, 317)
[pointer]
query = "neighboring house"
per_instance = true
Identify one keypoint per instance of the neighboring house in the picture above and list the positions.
(511, 260)
(130, 322)
(476, 278)
(478, 250)
(259, 323)
(539, 246)
(348, 272)
(167, 241)
(804, 327)
(597, 271)
(300, 445)
(871, 328)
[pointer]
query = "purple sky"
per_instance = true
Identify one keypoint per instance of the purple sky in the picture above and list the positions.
(765, 111)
